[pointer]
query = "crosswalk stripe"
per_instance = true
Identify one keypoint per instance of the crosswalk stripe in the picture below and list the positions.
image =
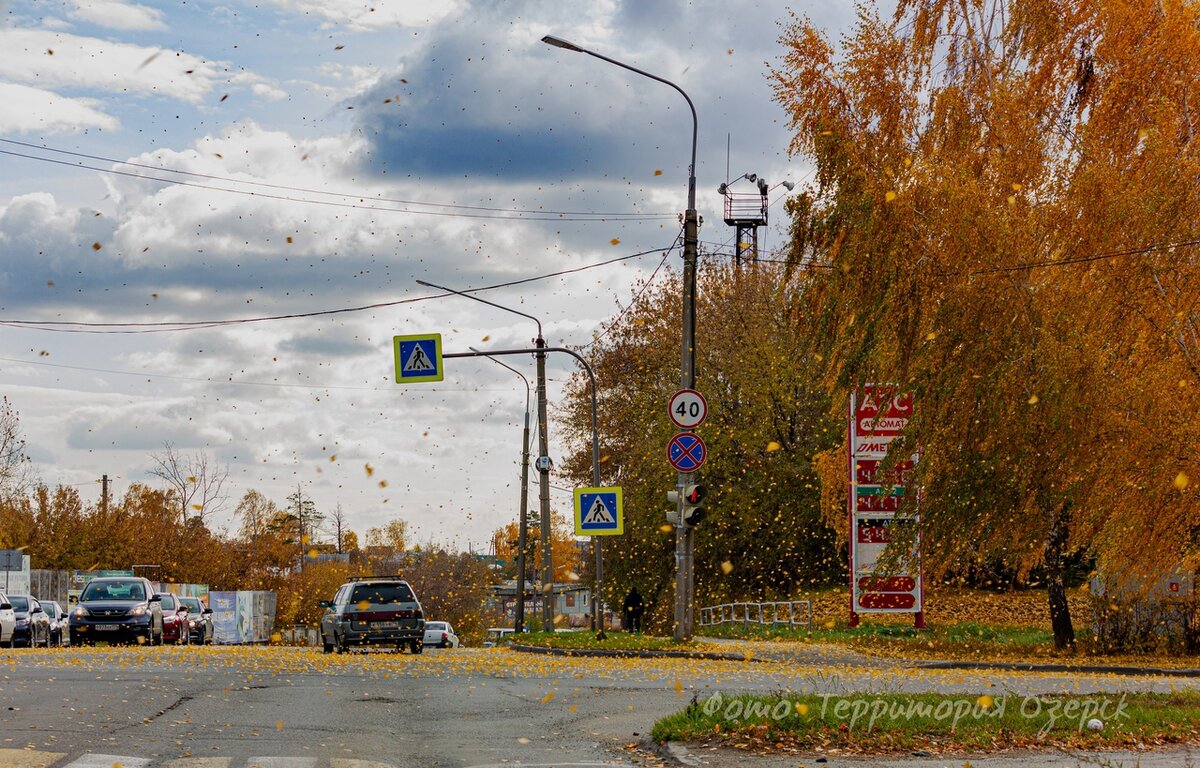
(108, 761)
(346, 762)
(28, 758)
(281, 762)
(199, 762)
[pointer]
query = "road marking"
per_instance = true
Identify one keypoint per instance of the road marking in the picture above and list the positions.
(281, 762)
(108, 761)
(346, 762)
(199, 762)
(27, 758)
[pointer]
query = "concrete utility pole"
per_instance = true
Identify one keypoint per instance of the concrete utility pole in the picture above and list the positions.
(104, 493)
(684, 534)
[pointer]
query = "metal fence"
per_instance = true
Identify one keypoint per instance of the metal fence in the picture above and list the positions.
(50, 585)
(300, 635)
(792, 613)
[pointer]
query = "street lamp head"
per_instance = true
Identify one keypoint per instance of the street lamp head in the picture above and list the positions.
(721, 188)
(558, 42)
(788, 185)
(752, 177)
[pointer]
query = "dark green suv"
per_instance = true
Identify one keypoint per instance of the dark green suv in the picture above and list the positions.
(372, 610)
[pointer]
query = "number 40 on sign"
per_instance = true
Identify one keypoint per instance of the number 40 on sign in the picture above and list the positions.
(688, 409)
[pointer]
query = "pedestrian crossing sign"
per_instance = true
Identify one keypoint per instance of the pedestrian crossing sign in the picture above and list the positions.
(599, 512)
(418, 358)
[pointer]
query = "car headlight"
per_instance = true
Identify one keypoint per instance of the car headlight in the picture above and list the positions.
(22, 622)
(139, 611)
(80, 612)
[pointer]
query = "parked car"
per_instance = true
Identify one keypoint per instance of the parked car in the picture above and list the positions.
(33, 627)
(199, 617)
(375, 610)
(60, 630)
(440, 634)
(117, 608)
(175, 619)
(8, 621)
(496, 635)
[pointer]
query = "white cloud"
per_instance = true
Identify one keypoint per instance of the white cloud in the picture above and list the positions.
(58, 59)
(377, 14)
(115, 14)
(30, 110)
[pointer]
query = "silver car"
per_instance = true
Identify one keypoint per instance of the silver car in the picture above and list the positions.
(440, 634)
(8, 621)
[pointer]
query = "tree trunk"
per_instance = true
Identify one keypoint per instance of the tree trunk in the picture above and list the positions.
(1055, 555)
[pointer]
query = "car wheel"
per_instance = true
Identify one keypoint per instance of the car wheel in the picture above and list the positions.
(338, 644)
(416, 646)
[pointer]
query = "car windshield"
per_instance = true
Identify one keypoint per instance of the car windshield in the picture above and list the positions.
(191, 603)
(381, 594)
(342, 315)
(19, 602)
(113, 590)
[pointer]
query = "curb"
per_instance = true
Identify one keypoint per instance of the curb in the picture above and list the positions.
(635, 654)
(1103, 669)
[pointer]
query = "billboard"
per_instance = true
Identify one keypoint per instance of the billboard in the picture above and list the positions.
(878, 415)
(242, 617)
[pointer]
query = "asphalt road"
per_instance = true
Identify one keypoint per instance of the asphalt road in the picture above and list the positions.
(235, 707)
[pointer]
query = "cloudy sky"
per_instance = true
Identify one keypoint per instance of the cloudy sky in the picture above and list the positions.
(213, 161)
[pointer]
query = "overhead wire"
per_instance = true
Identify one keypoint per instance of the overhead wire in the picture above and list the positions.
(459, 211)
(81, 326)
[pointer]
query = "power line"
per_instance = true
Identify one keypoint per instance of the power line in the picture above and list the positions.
(495, 213)
(612, 323)
(79, 326)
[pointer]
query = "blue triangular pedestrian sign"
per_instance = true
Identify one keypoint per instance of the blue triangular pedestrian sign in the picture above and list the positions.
(418, 358)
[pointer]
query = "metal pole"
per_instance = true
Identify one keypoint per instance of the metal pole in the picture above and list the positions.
(523, 510)
(597, 602)
(543, 453)
(684, 535)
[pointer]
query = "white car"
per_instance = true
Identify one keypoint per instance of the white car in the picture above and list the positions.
(440, 634)
(8, 621)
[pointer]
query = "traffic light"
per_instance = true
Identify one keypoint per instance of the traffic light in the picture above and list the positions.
(693, 505)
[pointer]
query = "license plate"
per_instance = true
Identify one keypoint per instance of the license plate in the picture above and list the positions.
(384, 625)
(107, 627)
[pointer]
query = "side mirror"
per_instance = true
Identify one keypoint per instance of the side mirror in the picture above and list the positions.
(5, 606)
(206, 612)
(36, 609)
(155, 599)
(325, 604)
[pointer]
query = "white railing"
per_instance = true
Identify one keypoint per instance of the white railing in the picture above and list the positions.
(792, 613)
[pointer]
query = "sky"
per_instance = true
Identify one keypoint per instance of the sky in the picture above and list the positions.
(217, 163)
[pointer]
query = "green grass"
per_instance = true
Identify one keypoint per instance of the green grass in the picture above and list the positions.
(614, 641)
(937, 722)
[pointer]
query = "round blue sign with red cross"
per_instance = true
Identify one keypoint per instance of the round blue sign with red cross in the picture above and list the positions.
(686, 452)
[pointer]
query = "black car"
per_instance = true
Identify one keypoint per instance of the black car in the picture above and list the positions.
(199, 618)
(60, 632)
(33, 626)
(117, 609)
(373, 610)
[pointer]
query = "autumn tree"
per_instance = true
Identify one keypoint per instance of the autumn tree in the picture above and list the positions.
(197, 481)
(763, 538)
(1003, 199)
(563, 550)
(452, 587)
(15, 472)
(393, 535)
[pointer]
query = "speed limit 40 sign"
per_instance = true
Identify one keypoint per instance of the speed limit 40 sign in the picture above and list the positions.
(688, 409)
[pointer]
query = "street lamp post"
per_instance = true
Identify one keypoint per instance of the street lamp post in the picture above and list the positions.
(543, 462)
(522, 525)
(684, 534)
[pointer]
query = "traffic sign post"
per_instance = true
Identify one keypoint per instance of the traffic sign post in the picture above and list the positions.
(686, 452)
(418, 358)
(688, 409)
(599, 512)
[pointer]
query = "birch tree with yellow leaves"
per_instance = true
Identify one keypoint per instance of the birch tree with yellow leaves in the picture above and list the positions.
(1006, 194)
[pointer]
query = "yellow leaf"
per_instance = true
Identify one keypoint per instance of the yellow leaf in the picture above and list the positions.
(369, 469)
(615, 241)
(801, 709)
(1181, 481)
(1033, 400)
(773, 446)
(726, 567)
(658, 172)
(889, 196)
(666, 527)
(985, 701)
(547, 697)
(931, 336)
(279, 725)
